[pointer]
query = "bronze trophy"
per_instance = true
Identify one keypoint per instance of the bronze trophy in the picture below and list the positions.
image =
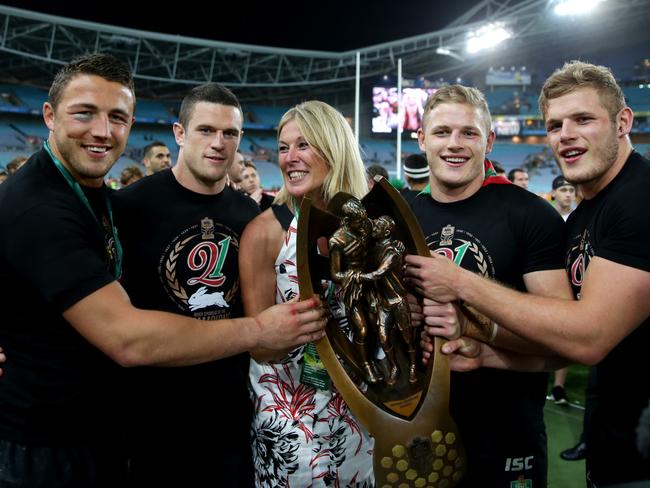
(404, 405)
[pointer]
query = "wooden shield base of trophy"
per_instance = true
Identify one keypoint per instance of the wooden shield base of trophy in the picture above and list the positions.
(417, 443)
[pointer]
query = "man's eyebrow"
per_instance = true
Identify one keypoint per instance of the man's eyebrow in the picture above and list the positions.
(83, 105)
(572, 115)
(91, 106)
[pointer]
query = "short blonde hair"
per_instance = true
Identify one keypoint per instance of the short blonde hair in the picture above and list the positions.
(327, 131)
(460, 94)
(577, 74)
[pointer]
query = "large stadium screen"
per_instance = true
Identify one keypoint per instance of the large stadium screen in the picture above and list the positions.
(506, 126)
(385, 115)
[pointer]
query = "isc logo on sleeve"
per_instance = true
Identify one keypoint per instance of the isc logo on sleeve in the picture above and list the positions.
(519, 464)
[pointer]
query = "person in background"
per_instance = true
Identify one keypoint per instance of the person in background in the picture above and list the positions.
(416, 171)
(252, 186)
(563, 195)
(374, 170)
(498, 168)
(130, 174)
(519, 177)
(156, 157)
(236, 171)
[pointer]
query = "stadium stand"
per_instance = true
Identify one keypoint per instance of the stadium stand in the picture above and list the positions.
(22, 131)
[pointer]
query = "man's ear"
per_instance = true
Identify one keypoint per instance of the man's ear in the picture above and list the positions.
(490, 142)
(421, 140)
(48, 115)
(179, 134)
(625, 120)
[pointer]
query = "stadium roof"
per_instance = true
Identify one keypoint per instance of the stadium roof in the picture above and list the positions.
(34, 45)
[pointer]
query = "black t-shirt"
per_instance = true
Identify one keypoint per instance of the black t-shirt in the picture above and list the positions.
(181, 256)
(408, 194)
(57, 387)
(614, 225)
(266, 201)
(501, 232)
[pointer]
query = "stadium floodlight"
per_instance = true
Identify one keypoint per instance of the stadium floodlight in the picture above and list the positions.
(444, 51)
(487, 36)
(575, 7)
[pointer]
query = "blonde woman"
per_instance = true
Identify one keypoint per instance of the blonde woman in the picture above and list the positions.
(303, 433)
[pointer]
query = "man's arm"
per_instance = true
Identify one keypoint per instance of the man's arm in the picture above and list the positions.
(546, 283)
(467, 354)
(134, 337)
(614, 301)
(445, 320)
(259, 248)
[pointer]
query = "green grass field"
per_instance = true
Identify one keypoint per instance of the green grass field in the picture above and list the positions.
(563, 427)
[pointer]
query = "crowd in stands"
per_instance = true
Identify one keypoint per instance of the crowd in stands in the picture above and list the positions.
(24, 134)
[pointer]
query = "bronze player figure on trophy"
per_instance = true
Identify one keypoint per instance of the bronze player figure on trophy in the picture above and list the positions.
(387, 256)
(348, 247)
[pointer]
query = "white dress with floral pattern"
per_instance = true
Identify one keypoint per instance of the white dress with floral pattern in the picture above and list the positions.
(303, 437)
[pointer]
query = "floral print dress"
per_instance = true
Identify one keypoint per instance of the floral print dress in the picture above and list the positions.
(303, 437)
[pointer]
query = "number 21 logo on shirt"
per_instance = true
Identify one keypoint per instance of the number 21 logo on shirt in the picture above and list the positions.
(458, 245)
(199, 270)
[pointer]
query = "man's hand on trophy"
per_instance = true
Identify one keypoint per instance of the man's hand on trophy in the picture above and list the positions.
(433, 277)
(465, 353)
(291, 324)
(416, 309)
(426, 344)
(443, 319)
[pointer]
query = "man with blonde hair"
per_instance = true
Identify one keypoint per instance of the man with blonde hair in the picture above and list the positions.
(607, 260)
(484, 224)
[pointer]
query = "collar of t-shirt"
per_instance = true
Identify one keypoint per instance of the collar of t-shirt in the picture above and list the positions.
(491, 178)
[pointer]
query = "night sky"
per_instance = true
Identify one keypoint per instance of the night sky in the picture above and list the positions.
(310, 24)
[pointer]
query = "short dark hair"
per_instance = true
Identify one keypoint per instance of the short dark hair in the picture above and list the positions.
(211, 93)
(147, 149)
(106, 66)
(498, 167)
(129, 173)
(376, 169)
(416, 168)
(514, 171)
